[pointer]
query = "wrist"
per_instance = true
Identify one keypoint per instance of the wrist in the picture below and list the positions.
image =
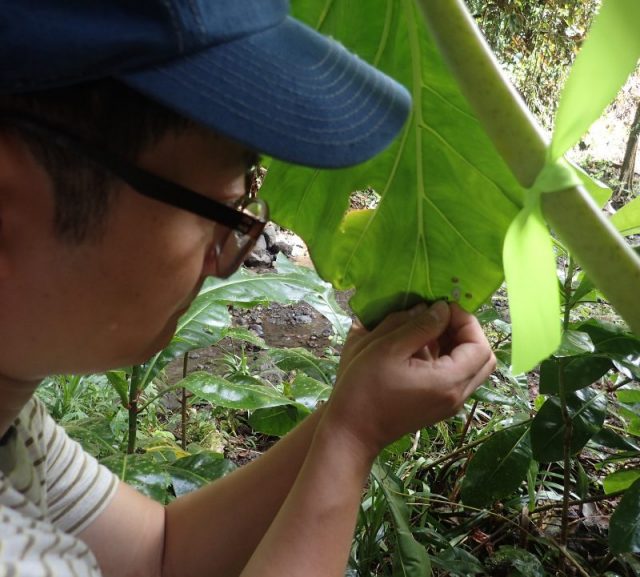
(333, 430)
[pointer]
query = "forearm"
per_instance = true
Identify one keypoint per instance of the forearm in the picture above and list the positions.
(215, 530)
(313, 531)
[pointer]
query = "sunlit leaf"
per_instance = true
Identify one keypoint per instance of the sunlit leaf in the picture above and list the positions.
(627, 219)
(223, 393)
(446, 196)
(600, 70)
(308, 391)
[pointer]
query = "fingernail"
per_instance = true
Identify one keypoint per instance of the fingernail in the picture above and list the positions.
(439, 310)
(417, 309)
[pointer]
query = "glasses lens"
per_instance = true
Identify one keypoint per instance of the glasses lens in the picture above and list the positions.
(236, 245)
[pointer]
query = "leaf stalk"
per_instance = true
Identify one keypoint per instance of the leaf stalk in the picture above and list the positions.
(593, 241)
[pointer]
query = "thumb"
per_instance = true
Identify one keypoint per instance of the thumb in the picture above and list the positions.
(424, 326)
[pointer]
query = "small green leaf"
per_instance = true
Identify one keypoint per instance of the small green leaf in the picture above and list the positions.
(620, 480)
(190, 473)
(624, 527)
(309, 392)
(298, 359)
(599, 71)
(277, 421)
(498, 467)
(223, 393)
(457, 562)
(486, 394)
(628, 396)
(627, 219)
(118, 380)
(575, 372)
(587, 410)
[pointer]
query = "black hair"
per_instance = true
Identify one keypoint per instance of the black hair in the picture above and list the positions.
(105, 113)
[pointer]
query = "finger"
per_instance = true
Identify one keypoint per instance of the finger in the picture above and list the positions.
(481, 376)
(423, 326)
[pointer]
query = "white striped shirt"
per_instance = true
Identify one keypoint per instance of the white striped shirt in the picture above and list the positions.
(50, 490)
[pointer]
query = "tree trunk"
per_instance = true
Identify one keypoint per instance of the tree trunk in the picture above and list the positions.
(627, 172)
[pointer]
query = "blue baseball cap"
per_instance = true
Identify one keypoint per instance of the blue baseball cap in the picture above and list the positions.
(244, 68)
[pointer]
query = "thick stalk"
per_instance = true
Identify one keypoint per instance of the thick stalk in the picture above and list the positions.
(566, 418)
(594, 243)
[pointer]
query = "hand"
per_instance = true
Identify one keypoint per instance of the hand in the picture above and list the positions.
(414, 369)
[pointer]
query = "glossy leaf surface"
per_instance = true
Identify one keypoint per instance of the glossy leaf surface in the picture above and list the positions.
(587, 410)
(277, 421)
(574, 372)
(224, 393)
(498, 467)
(627, 219)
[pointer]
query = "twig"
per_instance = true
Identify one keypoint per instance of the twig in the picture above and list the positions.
(564, 551)
(467, 424)
(577, 502)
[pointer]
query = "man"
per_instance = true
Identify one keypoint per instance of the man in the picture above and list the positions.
(126, 131)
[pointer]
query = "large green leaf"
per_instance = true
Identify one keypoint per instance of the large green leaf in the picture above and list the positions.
(241, 396)
(498, 467)
(446, 196)
(518, 562)
(587, 410)
(207, 321)
(624, 528)
(574, 372)
(410, 559)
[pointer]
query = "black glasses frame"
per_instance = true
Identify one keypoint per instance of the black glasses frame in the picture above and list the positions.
(148, 184)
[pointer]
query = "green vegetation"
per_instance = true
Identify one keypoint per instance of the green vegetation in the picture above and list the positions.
(540, 474)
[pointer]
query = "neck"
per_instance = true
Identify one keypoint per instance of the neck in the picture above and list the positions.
(14, 395)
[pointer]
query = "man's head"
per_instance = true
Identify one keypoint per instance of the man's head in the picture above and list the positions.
(184, 90)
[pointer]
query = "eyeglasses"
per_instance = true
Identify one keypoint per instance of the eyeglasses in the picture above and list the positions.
(244, 220)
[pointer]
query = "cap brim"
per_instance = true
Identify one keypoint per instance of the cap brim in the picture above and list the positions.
(286, 91)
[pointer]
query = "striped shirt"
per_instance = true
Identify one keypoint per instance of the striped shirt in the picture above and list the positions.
(50, 490)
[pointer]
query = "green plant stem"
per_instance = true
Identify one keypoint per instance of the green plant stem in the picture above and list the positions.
(568, 423)
(604, 255)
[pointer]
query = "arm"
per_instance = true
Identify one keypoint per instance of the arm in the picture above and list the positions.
(413, 370)
(293, 510)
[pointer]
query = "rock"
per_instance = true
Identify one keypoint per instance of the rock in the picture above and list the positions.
(283, 247)
(270, 235)
(259, 257)
(257, 329)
